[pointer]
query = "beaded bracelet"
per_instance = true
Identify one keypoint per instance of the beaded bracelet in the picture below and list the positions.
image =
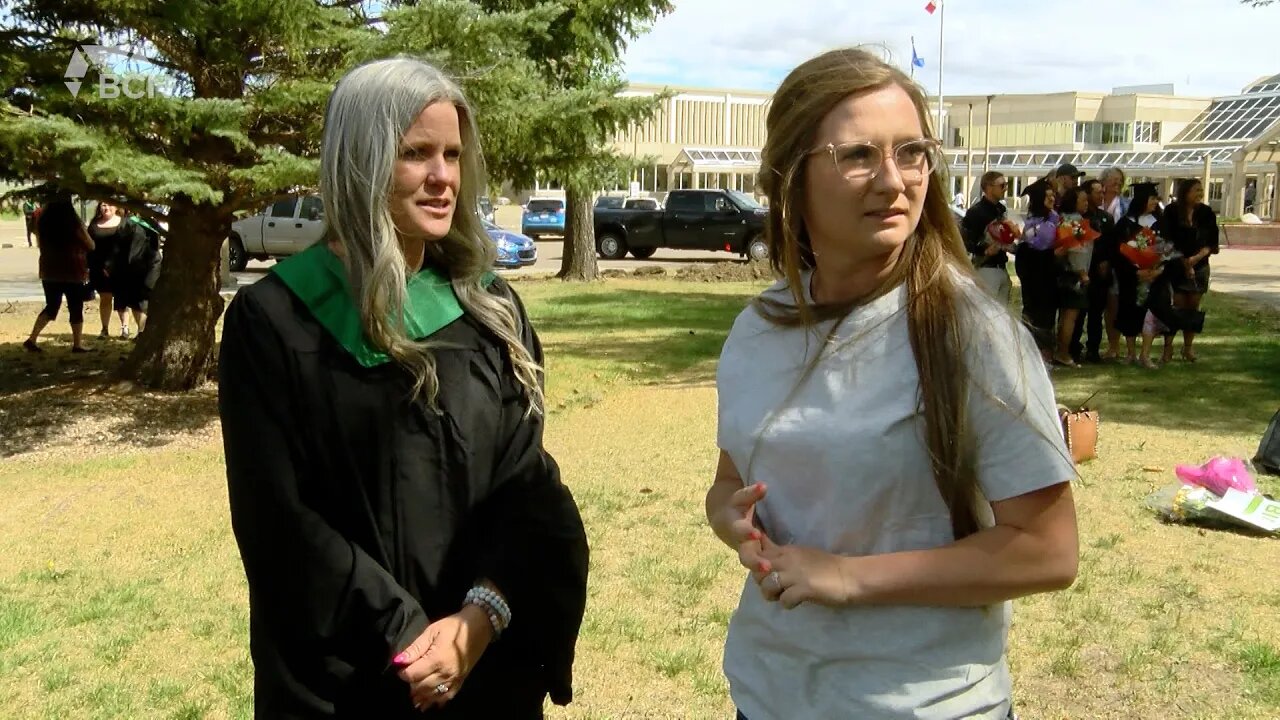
(493, 605)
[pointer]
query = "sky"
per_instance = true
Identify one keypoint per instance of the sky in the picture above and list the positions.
(1203, 47)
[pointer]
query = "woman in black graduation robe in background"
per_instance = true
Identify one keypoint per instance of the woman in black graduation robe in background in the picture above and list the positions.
(407, 541)
(1192, 227)
(1143, 212)
(1037, 267)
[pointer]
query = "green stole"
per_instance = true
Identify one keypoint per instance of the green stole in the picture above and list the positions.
(319, 279)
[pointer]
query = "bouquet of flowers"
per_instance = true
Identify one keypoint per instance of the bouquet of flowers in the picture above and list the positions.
(1142, 249)
(1148, 252)
(1075, 234)
(1182, 503)
(1002, 233)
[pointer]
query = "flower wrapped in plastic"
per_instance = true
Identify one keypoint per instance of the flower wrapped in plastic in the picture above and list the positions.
(1143, 249)
(1077, 236)
(1183, 503)
(1002, 233)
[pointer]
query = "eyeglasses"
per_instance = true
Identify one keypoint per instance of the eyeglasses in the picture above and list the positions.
(862, 161)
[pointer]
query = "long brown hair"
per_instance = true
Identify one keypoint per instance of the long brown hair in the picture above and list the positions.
(933, 262)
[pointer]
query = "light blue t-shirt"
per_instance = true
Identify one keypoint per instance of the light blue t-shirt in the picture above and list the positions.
(848, 471)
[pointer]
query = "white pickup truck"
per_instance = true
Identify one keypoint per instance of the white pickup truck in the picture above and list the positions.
(285, 228)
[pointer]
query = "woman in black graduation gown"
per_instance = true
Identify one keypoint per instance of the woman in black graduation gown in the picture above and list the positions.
(407, 541)
(1037, 267)
(1192, 227)
(1143, 212)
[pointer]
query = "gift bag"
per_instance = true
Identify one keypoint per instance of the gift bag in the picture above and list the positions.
(1080, 428)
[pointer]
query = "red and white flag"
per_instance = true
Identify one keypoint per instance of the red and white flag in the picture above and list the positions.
(931, 7)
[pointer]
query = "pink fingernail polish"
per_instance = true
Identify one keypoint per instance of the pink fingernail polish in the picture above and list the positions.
(400, 659)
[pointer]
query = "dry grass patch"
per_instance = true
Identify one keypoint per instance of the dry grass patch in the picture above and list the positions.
(121, 593)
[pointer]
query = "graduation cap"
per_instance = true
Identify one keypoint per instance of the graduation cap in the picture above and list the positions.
(1142, 191)
(1036, 189)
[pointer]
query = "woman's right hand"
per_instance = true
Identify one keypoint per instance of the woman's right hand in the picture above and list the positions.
(734, 523)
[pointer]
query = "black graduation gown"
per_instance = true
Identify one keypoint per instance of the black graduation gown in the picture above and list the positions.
(1131, 313)
(1189, 240)
(362, 516)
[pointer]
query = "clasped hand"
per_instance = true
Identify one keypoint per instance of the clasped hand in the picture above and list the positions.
(436, 664)
(790, 574)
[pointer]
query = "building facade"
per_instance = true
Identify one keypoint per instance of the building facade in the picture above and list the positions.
(712, 138)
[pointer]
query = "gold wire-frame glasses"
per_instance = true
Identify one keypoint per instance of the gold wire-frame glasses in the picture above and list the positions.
(915, 159)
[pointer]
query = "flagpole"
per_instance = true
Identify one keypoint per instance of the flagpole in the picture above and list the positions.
(942, 23)
(913, 57)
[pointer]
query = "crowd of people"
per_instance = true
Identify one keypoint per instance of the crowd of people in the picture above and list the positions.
(115, 258)
(1094, 263)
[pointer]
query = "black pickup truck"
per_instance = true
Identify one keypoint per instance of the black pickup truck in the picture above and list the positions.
(692, 220)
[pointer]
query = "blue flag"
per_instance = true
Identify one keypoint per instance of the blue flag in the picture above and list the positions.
(916, 60)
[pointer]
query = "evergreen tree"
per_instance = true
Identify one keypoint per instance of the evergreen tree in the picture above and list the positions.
(579, 59)
(235, 118)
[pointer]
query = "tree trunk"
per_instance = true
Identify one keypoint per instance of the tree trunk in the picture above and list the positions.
(175, 352)
(579, 258)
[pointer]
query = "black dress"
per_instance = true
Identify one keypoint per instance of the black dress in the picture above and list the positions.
(103, 255)
(1037, 272)
(363, 516)
(134, 266)
(1132, 306)
(1189, 240)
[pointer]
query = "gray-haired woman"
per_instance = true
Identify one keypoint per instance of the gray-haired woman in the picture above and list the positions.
(407, 541)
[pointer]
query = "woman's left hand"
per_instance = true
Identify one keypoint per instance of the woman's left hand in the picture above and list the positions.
(804, 574)
(453, 647)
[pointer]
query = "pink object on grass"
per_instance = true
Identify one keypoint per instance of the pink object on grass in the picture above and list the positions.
(1217, 475)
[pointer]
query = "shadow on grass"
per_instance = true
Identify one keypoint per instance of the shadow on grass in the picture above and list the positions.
(624, 310)
(1234, 388)
(654, 337)
(47, 396)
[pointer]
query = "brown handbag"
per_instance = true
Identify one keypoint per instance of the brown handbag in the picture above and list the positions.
(1080, 428)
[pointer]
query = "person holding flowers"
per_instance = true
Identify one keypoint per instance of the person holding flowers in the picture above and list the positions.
(1073, 247)
(1036, 267)
(988, 235)
(1138, 263)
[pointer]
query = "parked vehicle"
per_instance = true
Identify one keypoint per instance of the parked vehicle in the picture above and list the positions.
(617, 202)
(692, 220)
(514, 250)
(292, 225)
(486, 208)
(543, 216)
(286, 228)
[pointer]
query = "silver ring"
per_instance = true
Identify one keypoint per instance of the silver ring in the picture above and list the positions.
(441, 689)
(777, 581)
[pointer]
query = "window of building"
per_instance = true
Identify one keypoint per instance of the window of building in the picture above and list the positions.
(1146, 132)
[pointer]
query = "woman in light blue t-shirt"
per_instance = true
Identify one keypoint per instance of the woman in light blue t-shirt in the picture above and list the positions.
(891, 468)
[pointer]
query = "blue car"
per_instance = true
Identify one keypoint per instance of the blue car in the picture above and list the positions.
(543, 216)
(514, 250)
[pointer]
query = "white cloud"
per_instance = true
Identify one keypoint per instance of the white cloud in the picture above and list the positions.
(1203, 47)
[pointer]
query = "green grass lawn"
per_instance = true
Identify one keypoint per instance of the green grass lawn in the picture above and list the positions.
(121, 594)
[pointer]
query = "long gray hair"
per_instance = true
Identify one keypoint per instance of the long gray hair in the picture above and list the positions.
(368, 114)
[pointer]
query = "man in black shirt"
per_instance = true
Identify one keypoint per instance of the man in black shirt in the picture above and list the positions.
(1104, 248)
(988, 258)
